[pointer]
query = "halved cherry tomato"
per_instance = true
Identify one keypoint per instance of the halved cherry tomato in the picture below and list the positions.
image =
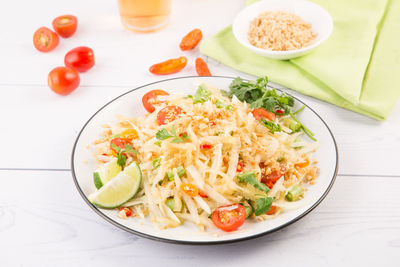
(303, 164)
(190, 40)
(129, 134)
(260, 113)
(271, 211)
(127, 210)
(202, 67)
(119, 142)
(229, 218)
(80, 58)
(65, 25)
(190, 189)
(45, 39)
(239, 167)
(168, 114)
(168, 67)
(150, 98)
(63, 80)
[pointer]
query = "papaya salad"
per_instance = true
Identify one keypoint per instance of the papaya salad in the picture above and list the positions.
(214, 158)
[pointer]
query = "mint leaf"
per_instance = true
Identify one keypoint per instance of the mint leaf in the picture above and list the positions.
(263, 205)
(250, 178)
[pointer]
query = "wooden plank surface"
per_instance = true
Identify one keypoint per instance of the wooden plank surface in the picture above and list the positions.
(45, 219)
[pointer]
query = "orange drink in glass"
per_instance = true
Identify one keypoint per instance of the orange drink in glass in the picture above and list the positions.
(144, 15)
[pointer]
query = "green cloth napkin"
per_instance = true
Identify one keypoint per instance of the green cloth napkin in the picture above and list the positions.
(356, 68)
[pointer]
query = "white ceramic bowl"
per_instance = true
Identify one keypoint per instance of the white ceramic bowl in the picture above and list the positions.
(318, 17)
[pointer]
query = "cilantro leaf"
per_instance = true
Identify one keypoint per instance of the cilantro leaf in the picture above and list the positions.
(116, 148)
(263, 205)
(271, 125)
(157, 143)
(202, 94)
(163, 134)
(250, 178)
(130, 149)
(121, 160)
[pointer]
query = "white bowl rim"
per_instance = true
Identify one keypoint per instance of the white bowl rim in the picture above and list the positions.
(167, 240)
(289, 52)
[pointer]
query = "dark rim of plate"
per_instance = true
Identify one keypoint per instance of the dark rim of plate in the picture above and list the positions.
(197, 242)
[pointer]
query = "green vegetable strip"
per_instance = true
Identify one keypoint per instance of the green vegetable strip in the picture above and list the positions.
(294, 193)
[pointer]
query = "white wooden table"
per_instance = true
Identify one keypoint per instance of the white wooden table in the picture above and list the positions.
(44, 221)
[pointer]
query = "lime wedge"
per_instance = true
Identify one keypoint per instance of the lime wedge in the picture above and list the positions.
(120, 189)
(105, 173)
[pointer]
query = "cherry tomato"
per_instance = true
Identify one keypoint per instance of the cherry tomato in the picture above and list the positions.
(190, 189)
(150, 98)
(65, 25)
(45, 39)
(239, 167)
(119, 142)
(271, 211)
(63, 80)
(168, 67)
(229, 218)
(260, 113)
(168, 114)
(206, 146)
(129, 134)
(202, 67)
(270, 179)
(303, 164)
(80, 58)
(190, 40)
(128, 211)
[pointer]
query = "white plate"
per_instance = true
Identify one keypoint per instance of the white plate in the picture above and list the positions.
(130, 104)
(318, 17)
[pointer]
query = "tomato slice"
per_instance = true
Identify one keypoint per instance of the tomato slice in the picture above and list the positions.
(206, 146)
(190, 189)
(229, 218)
(119, 142)
(63, 80)
(150, 98)
(45, 39)
(129, 134)
(168, 114)
(65, 25)
(80, 58)
(271, 211)
(260, 113)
